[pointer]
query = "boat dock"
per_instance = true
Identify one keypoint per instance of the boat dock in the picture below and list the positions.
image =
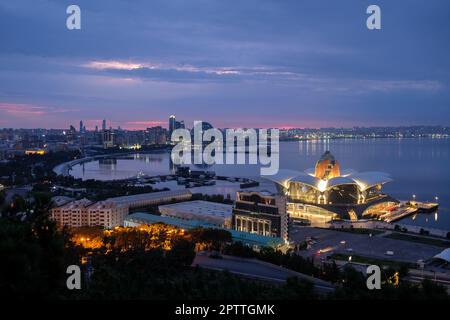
(424, 206)
(407, 208)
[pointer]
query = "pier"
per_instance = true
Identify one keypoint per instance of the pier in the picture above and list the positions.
(407, 208)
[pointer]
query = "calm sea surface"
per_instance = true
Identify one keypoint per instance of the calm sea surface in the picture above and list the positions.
(418, 166)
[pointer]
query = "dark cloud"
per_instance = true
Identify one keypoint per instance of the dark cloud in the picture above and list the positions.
(293, 62)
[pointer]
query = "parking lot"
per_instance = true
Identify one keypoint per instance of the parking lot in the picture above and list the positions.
(325, 242)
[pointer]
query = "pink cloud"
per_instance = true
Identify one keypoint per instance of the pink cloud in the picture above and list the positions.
(23, 109)
(16, 109)
(140, 125)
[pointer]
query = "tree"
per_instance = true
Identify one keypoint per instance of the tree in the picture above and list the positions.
(33, 260)
(182, 253)
(213, 239)
(2, 198)
(18, 204)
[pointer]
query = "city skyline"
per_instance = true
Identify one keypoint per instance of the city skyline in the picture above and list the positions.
(293, 64)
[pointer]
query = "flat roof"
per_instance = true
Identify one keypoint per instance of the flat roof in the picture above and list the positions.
(201, 207)
(82, 203)
(245, 237)
(60, 200)
(105, 205)
(150, 196)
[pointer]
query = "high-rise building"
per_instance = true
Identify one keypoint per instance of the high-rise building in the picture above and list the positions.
(104, 124)
(262, 213)
(172, 124)
(81, 126)
(108, 139)
(156, 135)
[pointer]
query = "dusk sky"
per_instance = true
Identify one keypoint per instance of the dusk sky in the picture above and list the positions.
(234, 63)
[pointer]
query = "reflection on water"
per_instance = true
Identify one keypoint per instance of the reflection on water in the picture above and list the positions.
(418, 166)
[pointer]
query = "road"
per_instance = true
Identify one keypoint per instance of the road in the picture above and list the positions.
(20, 191)
(329, 241)
(252, 268)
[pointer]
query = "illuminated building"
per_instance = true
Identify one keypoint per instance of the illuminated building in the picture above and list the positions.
(262, 213)
(327, 167)
(106, 214)
(326, 192)
(251, 239)
(111, 212)
(84, 212)
(173, 125)
(35, 151)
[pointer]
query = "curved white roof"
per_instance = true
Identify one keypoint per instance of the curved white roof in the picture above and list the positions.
(283, 176)
(369, 179)
(306, 179)
(444, 255)
(339, 181)
(364, 180)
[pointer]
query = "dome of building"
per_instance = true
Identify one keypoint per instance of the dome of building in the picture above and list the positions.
(327, 167)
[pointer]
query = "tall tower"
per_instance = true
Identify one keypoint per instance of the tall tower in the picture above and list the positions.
(172, 123)
(81, 126)
(104, 124)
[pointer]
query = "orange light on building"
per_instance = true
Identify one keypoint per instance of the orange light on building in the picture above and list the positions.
(35, 151)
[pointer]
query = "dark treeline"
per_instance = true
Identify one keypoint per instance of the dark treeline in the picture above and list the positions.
(34, 256)
(33, 168)
(155, 262)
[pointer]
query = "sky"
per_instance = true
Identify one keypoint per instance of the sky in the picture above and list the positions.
(233, 63)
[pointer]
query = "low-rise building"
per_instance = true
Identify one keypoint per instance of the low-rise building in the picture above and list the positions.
(262, 213)
(85, 213)
(217, 214)
(153, 198)
(107, 214)
(250, 239)
(111, 212)
(73, 214)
